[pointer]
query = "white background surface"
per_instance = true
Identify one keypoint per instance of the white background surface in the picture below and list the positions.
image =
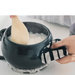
(54, 68)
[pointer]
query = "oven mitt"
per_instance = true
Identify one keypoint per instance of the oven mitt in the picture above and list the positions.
(19, 33)
(47, 54)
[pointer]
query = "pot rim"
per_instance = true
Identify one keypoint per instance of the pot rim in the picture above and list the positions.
(49, 34)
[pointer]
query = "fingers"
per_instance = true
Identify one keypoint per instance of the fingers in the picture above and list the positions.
(58, 44)
(11, 16)
(66, 59)
(69, 42)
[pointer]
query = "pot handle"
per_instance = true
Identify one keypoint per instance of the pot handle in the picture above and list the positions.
(48, 54)
(1, 35)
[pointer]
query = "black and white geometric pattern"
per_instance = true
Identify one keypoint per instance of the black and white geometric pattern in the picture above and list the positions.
(53, 54)
(27, 70)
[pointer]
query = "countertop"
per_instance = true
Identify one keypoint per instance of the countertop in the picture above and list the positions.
(54, 68)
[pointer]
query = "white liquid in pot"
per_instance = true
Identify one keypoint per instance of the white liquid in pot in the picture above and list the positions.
(35, 38)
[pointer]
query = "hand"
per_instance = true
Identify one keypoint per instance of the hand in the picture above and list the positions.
(69, 42)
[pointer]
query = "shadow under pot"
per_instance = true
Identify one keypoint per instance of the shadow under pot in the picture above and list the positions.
(29, 58)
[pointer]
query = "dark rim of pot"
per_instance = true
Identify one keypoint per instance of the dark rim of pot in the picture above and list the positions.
(49, 34)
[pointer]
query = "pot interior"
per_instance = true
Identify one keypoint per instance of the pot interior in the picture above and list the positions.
(33, 27)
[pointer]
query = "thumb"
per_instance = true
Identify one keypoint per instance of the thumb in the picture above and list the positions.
(58, 44)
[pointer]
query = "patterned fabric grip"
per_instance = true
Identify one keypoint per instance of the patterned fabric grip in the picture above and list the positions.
(49, 54)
